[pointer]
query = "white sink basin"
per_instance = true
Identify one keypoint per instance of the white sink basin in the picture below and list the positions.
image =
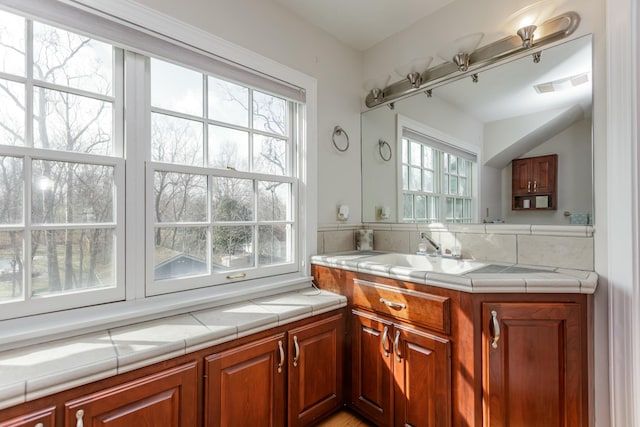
(426, 263)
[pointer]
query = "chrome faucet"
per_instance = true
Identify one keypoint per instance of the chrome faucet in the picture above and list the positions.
(424, 235)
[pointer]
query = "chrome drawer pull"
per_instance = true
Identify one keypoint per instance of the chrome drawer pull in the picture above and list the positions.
(385, 337)
(281, 356)
(297, 347)
(396, 346)
(79, 415)
(392, 304)
(496, 329)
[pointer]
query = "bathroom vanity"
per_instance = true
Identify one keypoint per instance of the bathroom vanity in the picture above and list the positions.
(443, 342)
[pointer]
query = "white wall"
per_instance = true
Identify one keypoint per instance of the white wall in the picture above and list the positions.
(267, 28)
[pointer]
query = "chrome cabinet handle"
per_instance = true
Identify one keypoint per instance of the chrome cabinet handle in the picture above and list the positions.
(535, 186)
(385, 337)
(79, 415)
(297, 354)
(396, 346)
(528, 186)
(392, 304)
(236, 276)
(496, 329)
(281, 364)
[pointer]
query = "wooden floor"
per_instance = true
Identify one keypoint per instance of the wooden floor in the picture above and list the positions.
(344, 418)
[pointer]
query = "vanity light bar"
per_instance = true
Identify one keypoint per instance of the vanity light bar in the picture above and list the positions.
(548, 32)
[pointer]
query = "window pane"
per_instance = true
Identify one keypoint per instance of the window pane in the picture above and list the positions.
(72, 60)
(434, 208)
(233, 199)
(405, 177)
(427, 157)
(180, 252)
(228, 148)
(450, 203)
(12, 113)
(180, 197)
(274, 244)
(67, 193)
(453, 164)
(72, 123)
(270, 113)
(11, 265)
(405, 151)
(453, 184)
(462, 186)
(176, 88)
(428, 181)
(270, 155)
(459, 208)
(65, 260)
(407, 206)
(420, 207)
(12, 46)
(273, 201)
(415, 182)
(11, 190)
(463, 166)
(415, 157)
(228, 102)
(467, 208)
(176, 140)
(232, 247)
(445, 158)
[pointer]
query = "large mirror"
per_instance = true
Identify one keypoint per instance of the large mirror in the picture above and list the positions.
(519, 109)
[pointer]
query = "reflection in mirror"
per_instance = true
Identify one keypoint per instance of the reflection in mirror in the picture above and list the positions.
(519, 109)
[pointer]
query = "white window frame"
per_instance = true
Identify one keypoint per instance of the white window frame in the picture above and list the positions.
(138, 306)
(30, 305)
(403, 122)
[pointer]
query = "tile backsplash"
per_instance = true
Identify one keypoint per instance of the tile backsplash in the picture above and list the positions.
(552, 246)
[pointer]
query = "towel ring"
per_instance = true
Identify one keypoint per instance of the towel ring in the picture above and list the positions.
(339, 131)
(381, 144)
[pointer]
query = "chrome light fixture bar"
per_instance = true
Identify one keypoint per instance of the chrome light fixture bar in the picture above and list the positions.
(550, 31)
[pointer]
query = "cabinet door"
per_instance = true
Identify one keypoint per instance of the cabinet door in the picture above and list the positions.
(521, 176)
(37, 418)
(167, 398)
(544, 174)
(371, 368)
(422, 374)
(533, 365)
(245, 386)
(315, 370)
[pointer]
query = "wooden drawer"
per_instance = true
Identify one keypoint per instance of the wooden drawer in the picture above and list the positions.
(431, 311)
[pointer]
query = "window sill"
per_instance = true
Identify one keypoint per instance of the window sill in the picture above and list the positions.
(20, 332)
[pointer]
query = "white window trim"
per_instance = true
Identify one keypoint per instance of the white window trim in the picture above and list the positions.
(26, 330)
(406, 122)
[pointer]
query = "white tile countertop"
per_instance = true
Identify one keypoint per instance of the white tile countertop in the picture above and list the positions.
(39, 370)
(472, 276)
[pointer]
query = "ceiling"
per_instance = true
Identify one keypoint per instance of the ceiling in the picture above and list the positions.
(362, 24)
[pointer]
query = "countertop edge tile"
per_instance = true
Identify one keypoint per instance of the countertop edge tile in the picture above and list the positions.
(133, 363)
(13, 394)
(206, 344)
(247, 332)
(67, 384)
(492, 285)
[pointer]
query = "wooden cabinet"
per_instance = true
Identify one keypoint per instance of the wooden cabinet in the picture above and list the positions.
(168, 397)
(315, 370)
(401, 371)
(534, 183)
(534, 364)
(45, 417)
(247, 385)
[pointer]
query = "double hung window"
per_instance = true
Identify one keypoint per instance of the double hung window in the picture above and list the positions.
(437, 180)
(215, 159)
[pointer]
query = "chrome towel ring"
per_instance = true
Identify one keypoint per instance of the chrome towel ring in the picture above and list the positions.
(381, 145)
(339, 131)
